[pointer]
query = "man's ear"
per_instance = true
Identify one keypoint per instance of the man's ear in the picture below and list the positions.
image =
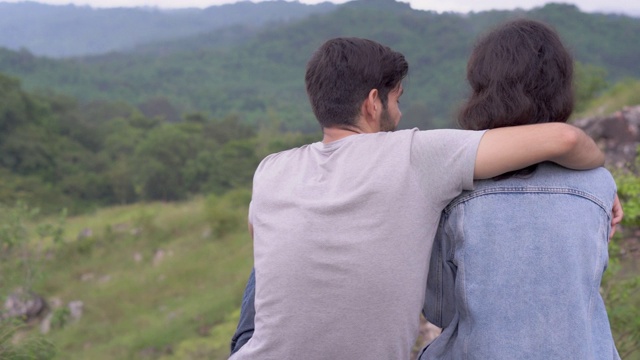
(371, 108)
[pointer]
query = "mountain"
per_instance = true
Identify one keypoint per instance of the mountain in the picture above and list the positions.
(259, 75)
(63, 31)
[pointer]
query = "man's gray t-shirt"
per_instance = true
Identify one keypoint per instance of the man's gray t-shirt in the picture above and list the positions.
(342, 238)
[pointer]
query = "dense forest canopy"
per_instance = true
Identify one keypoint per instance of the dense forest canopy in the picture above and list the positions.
(59, 31)
(185, 116)
(255, 73)
(57, 153)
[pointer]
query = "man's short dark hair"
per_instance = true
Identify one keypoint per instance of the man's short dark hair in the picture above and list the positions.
(342, 72)
(520, 73)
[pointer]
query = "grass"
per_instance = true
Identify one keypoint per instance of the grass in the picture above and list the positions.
(139, 304)
(158, 281)
(624, 93)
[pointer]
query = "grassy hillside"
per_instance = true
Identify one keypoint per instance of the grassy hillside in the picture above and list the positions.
(623, 93)
(157, 280)
(164, 280)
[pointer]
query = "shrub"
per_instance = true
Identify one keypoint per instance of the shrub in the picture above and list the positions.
(622, 291)
(228, 214)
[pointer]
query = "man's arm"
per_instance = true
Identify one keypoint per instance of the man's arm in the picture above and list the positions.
(511, 148)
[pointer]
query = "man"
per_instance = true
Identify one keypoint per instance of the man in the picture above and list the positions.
(343, 228)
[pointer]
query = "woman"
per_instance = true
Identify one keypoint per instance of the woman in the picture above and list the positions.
(517, 263)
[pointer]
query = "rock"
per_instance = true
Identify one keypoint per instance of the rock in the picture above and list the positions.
(55, 302)
(618, 135)
(120, 228)
(158, 257)
(75, 309)
(25, 305)
(45, 325)
(85, 233)
(87, 277)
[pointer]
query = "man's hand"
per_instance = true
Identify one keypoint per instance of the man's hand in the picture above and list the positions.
(616, 216)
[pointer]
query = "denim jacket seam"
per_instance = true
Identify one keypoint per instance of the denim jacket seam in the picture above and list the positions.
(463, 277)
(451, 255)
(440, 291)
(526, 189)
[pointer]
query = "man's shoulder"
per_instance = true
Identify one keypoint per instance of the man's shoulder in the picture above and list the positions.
(285, 154)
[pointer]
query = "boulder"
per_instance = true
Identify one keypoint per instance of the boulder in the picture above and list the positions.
(618, 135)
(25, 305)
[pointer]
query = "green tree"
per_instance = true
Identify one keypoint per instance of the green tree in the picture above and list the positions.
(15, 106)
(160, 160)
(232, 166)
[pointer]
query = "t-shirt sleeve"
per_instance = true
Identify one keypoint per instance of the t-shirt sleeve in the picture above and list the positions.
(444, 161)
(250, 213)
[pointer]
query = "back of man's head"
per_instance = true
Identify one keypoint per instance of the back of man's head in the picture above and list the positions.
(342, 72)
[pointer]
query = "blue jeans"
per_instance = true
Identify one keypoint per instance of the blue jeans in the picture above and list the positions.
(247, 314)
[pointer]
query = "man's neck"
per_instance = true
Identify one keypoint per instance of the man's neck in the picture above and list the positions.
(331, 134)
(334, 134)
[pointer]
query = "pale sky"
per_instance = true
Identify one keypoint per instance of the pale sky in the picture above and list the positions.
(630, 7)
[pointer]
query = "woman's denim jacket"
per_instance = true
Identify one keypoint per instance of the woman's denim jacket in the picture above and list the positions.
(516, 268)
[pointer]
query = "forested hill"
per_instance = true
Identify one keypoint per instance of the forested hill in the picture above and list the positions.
(261, 77)
(70, 30)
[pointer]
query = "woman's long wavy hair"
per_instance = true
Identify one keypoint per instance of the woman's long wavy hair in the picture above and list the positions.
(520, 73)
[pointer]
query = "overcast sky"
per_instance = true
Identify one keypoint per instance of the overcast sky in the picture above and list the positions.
(630, 7)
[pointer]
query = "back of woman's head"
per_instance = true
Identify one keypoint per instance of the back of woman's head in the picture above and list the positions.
(520, 73)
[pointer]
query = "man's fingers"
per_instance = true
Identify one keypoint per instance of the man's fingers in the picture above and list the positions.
(617, 215)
